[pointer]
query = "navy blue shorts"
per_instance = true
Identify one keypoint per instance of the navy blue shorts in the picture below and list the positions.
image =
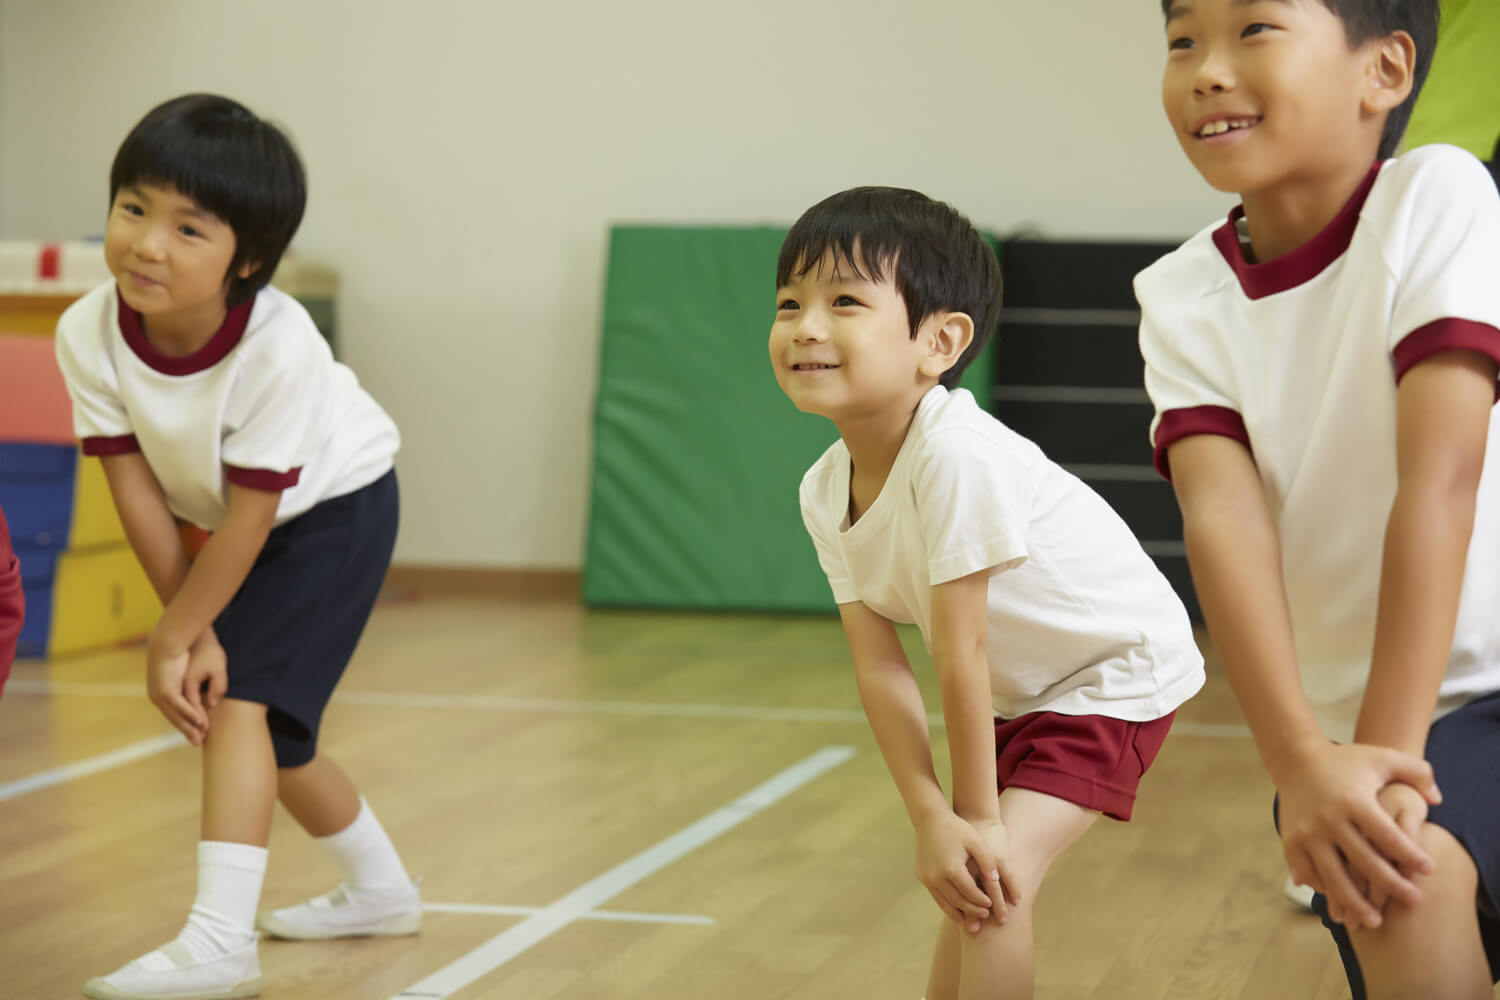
(291, 629)
(1463, 748)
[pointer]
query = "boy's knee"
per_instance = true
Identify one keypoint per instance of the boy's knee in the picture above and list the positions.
(1453, 874)
(1412, 934)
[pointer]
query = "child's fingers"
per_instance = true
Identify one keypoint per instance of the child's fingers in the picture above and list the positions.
(1381, 850)
(218, 685)
(192, 691)
(1413, 771)
(1354, 907)
(963, 913)
(1301, 868)
(182, 723)
(968, 890)
(185, 710)
(1008, 878)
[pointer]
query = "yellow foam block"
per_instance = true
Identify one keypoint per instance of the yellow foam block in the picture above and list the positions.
(95, 521)
(100, 596)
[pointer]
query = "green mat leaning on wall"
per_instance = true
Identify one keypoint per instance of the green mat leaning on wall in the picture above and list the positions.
(1460, 104)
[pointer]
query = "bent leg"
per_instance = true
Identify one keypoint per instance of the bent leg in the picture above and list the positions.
(999, 963)
(1432, 949)
(239, 774)
(942, 981)
(319, 795)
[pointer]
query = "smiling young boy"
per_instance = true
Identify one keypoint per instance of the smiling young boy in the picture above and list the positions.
(1061, 651)
(1323, 367)
(211, 397)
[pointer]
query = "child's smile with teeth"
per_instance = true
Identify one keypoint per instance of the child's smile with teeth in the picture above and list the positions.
(1223, 125)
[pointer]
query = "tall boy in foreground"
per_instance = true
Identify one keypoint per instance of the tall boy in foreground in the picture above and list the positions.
(1061, 651)
(1323, 367)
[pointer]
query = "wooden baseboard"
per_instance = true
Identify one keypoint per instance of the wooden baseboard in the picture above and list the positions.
(511, 584)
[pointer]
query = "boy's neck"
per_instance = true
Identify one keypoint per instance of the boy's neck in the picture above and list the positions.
(180, 335)
(1285, 217)
(874, 442)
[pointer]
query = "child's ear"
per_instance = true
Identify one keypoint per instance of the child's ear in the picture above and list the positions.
(951, 335)
(246, 269)
(1392, 71)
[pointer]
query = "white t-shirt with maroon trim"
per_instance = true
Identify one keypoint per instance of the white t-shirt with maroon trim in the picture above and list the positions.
(263, 404)
(1080, 620)
(1298, 358)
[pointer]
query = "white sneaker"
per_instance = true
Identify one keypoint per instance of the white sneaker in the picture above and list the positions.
(170, 973)
(1300, 894)
(347, 912)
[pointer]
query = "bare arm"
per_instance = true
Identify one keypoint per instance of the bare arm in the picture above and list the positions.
(1234, 551)
(219, 569)
(959, 624)
(945, 841)
(1331, 819)
(192, 598)
(1443, 410)
(893, 704)
(149, 525)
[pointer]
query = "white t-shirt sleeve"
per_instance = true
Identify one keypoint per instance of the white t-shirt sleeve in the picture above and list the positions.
(974, 501)
(268, 420)
(1447, 249)
(99, 418)
(1188, 383)
(822, 529)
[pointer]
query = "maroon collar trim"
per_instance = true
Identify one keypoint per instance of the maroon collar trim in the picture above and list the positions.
(1302, 264)
(219, 345)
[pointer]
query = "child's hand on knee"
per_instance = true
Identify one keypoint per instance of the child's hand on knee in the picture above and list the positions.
(207, 676)
(1408, 807)
(1338, 837)
(946, 843)
(1003, 880)
(166, 674)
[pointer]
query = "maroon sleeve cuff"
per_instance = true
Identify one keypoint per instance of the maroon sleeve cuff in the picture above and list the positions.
(263, 479)
(1178, 424)
(1446, 335)
(122, 445)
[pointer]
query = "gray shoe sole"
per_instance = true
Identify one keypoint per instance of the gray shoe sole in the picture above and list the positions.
(98, 989)
(402, 926)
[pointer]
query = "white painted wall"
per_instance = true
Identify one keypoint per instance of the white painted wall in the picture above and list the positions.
(467, 157)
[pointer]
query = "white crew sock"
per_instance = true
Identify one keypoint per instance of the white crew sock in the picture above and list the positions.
(222, 919)
(364, 853)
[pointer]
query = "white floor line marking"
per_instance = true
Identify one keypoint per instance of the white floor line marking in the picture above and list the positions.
(544, 923)
(488, 910)
(93, 765)
(582, 706)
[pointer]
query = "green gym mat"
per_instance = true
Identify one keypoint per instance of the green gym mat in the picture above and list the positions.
(697, 454)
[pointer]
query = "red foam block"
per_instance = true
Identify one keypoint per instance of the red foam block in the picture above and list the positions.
(34, 405)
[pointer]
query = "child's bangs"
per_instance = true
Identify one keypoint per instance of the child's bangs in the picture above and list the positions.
(189, 165)
(816, 245)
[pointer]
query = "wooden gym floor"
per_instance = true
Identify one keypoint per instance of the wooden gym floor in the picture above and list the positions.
(623, 806)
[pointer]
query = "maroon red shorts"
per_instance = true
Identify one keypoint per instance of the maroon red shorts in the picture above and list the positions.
(1089, 760)
(12, 602)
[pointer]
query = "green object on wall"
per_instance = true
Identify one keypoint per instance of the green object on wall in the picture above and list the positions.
(697, 454)
(1460, 103)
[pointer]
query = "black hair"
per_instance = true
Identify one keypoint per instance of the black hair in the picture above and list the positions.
(1367, 19)
(241, 168)
(938, 261)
